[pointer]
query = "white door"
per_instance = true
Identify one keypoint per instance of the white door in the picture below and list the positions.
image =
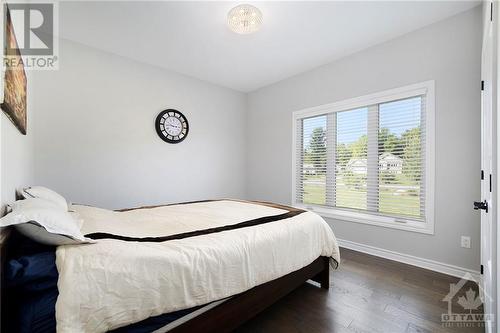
(488, 188)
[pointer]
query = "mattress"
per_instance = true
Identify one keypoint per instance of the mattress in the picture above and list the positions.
(31, 279)
(155, 260)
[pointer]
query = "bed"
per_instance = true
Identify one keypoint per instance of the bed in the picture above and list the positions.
(207, 265)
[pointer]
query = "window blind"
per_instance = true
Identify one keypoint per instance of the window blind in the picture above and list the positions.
(369, 159)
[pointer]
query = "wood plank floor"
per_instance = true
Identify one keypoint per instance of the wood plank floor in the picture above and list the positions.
(367, 294)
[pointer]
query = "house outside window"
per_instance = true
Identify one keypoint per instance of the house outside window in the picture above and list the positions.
(369, 159)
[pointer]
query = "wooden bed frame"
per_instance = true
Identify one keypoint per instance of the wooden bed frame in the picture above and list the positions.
(228, 315)
(237, 310)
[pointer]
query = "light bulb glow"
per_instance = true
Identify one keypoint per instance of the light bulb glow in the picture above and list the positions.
(244, 19)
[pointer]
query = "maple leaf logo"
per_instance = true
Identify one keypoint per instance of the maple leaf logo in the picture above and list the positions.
(470, 301)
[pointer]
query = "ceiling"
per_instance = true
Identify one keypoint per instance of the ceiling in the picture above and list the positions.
(192, 37)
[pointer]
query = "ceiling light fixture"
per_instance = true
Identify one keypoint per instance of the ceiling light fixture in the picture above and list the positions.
(244, 19)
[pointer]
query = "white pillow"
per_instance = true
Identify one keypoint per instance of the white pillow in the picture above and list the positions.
(47, 194)
(44, 222)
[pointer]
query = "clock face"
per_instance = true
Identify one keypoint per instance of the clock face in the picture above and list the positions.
(171, 126)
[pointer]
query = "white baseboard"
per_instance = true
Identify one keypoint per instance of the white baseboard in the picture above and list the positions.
(410, 260)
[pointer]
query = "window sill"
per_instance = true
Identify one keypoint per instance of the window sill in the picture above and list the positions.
(371, 219)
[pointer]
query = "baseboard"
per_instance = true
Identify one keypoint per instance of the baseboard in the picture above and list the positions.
(410, 260)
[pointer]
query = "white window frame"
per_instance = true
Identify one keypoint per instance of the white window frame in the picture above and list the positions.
(423, 88)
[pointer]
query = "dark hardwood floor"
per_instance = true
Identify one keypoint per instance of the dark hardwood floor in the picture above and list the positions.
(367, 294)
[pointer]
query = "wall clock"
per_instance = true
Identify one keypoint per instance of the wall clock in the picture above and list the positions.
(171, 126)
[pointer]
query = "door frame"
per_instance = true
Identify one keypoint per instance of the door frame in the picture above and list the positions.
(491, 149)
(494, 17)
(489, 167)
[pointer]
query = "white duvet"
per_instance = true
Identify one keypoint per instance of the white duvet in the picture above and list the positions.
(114, 283)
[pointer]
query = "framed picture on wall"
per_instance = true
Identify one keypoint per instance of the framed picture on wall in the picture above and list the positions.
(15, 83)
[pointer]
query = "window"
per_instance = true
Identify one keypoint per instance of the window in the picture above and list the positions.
(369, 159)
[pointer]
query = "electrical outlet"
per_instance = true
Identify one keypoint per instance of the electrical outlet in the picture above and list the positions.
(465, 242)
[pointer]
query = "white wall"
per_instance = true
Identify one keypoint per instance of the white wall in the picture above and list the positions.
(96, 143)
(447, 52)
(16, 150)
(17, 155)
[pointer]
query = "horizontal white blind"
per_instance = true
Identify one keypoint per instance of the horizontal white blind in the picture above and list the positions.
(351, 159)
(311, 164)
(401, 157)
(367, 159)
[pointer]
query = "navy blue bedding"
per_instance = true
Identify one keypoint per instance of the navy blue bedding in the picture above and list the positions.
(31, 281)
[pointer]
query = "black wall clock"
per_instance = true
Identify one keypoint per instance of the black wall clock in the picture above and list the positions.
(171, 126)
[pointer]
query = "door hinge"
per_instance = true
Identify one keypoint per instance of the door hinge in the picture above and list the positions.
(491, 11)
(482, 85)
(490, 183)
(482, 269)
(482, 174)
